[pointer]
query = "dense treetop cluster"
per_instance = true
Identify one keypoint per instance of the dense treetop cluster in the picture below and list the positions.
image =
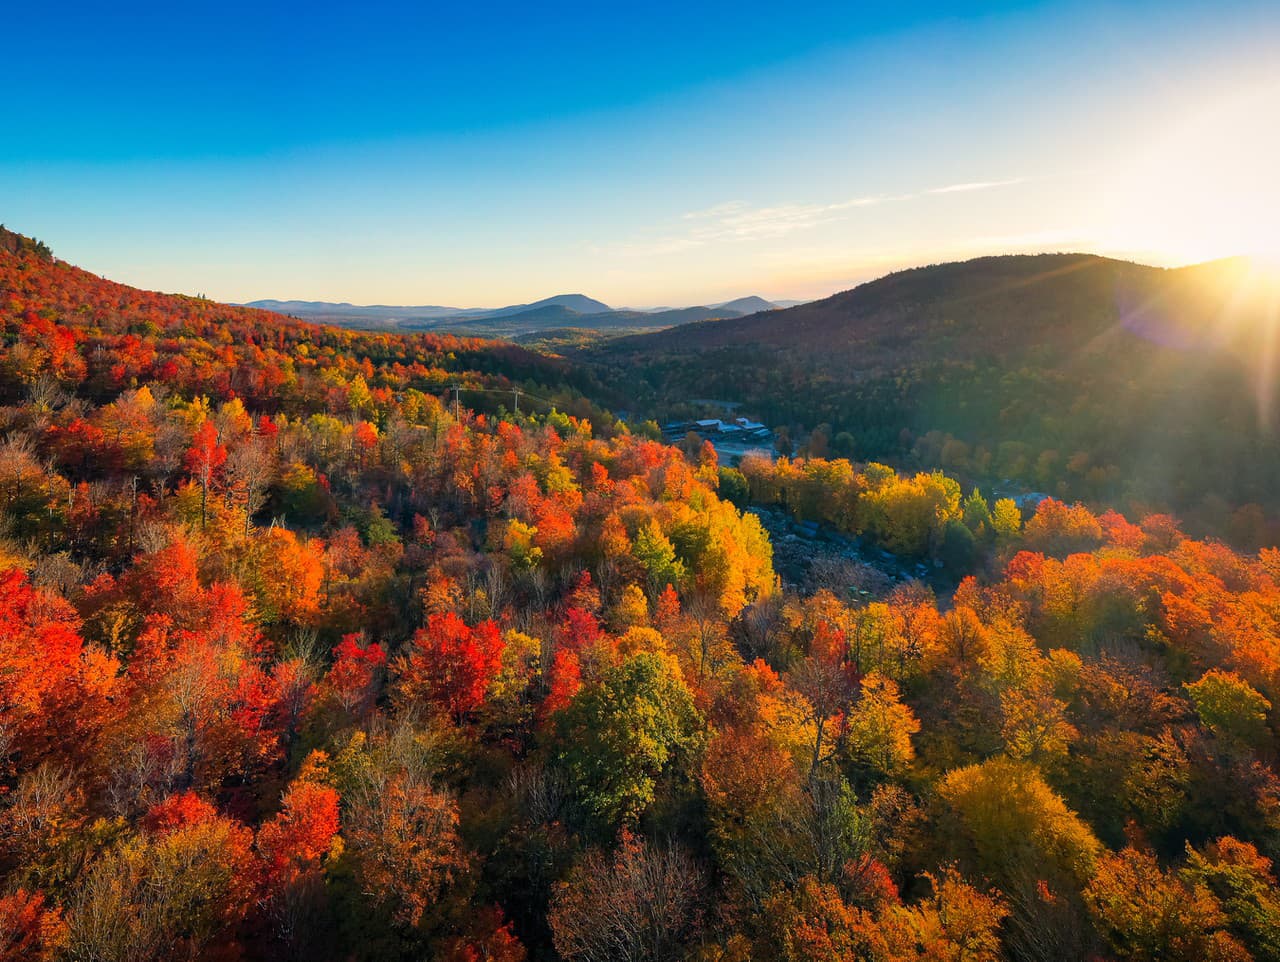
(298, 659)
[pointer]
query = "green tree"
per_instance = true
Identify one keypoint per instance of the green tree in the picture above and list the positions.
(958, 548)
(1230, 707)
(733, 486)
(619, 734)
(1242, 881)
(657, 554)
(1006, 518)
(976, 514)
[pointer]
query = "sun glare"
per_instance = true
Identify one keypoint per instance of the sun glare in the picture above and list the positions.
(1266, 266)
(1205, 188)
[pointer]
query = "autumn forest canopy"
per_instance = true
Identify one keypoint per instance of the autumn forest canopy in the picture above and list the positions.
(312, 646)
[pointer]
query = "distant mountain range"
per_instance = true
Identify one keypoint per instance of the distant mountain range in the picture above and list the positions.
(383, 314)
(514, 320)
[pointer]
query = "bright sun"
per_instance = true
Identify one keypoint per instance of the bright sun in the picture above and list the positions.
(1266, 265)
(1207, 187)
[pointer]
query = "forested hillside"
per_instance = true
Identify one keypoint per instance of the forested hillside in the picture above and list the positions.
(1075, 375)
(301, 658)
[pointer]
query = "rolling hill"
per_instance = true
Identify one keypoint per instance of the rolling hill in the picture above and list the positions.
(1080, 375)
(747, 305)
(961, 309)
(101, 337)
(578, 303)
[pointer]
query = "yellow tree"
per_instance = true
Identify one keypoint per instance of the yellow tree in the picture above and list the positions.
(880, 727)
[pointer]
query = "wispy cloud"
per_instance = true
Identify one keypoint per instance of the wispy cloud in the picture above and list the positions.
(719, 210)
(976, 185)
(749, 222)
(736, 220)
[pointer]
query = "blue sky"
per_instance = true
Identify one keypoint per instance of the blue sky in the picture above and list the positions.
(646, 154)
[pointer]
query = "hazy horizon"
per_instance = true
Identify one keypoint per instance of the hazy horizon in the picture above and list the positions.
(788, 301)
(694, 158)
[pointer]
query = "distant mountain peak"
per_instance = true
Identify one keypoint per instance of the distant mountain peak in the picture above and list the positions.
(747, 305)
(578, 303)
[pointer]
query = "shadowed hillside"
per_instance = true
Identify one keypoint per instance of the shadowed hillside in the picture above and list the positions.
(1000, 306)
(1075, 374)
